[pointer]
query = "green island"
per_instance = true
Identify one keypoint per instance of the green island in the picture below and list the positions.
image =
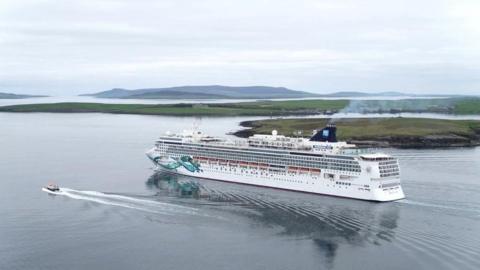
(260, 108)
(469, 105)
(378, 132)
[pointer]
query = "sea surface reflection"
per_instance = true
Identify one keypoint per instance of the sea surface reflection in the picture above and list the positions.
(327, 222)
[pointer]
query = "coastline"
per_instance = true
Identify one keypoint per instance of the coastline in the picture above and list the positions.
(385, 133)
(398, 132)
(451, 106)
(258, 108)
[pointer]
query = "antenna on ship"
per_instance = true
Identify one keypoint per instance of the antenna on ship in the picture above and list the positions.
(196, 123)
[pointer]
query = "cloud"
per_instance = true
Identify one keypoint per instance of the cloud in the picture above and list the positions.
(68, 47)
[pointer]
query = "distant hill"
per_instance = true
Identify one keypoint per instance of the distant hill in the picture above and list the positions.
(237, 92)
(204, 92)
(16, 96)
(177, 94)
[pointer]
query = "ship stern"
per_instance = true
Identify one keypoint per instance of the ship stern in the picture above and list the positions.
(388, 194)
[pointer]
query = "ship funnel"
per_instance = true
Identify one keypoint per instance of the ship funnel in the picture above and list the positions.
(327, 134)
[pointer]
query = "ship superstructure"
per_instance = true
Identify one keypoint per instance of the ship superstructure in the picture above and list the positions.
(319, 164)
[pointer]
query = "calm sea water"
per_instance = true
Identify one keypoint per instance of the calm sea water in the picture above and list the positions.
(115, 213)
(55, 99)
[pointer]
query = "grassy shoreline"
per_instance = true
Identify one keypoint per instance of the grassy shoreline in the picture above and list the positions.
(261, 108)
(379, 132)
(264, 108)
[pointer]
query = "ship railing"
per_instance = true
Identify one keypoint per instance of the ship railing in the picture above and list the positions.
(357, 151)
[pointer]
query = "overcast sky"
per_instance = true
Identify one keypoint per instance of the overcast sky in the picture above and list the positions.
(70, 47)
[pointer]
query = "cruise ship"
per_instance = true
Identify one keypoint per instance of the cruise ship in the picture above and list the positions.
(320, 164)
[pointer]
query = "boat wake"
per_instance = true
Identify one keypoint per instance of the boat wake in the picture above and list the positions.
(439, 206)
(144, 205)
(331, 223)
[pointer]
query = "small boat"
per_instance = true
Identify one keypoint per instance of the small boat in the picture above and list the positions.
(51, 187)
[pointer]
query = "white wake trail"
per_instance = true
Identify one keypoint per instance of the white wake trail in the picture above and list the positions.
(136, 200)
(423, 204)
(127, 202)
(96, 200)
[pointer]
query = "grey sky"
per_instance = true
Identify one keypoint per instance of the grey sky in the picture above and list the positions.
(70, 47)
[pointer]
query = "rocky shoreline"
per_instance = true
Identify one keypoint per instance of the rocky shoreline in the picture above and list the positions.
(400, 141)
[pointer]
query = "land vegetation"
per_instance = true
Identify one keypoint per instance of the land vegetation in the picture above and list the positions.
(267, 107)
(378, 132)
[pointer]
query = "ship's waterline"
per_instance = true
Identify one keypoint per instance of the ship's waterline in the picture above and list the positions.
(318, 165)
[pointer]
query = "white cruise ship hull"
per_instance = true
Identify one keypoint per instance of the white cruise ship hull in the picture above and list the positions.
(361, 186)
